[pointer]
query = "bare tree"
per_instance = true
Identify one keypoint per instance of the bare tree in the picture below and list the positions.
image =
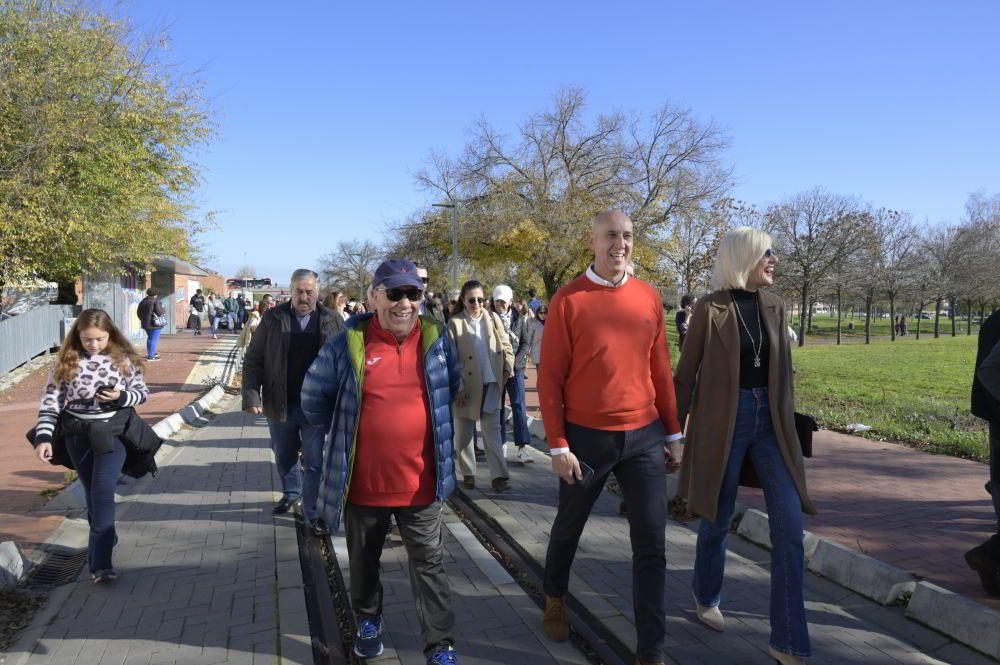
(944, 249)
(245, 272)
(692, 239)
(351, 266)
(527, 199)
(814, 231)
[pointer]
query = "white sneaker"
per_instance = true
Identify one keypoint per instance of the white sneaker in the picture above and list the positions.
(710, 616)
(524, 457)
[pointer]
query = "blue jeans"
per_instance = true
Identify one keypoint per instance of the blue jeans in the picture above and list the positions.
(152, 339)
(287, 439)
(515, 391)
(754, 436)
(636, 458)
(98, 474)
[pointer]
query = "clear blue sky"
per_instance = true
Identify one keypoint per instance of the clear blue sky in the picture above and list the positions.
(325, 110)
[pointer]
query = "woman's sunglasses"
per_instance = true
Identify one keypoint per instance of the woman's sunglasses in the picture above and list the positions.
(397, 294)
(542, 311)
(473, 301)
(769, 254)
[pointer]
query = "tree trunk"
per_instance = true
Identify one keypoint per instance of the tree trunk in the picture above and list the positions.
(812, 306)
(968, 319)
(868, 318)
(551, 284)
(937, 317)
(839, 315)
(953, 302)
(892, 317)
(802, 313)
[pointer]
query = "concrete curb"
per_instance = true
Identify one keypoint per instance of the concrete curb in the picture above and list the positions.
(958, 617)
(861, 573)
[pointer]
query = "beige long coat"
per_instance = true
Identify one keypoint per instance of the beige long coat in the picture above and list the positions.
(707, 383)
(500, 354)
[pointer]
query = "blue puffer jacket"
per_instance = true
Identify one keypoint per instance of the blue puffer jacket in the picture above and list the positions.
(331, 396)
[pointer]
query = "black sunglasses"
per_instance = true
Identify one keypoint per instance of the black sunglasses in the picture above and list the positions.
(542, 311)
(769, 253)
(397, 294)
(473, 301)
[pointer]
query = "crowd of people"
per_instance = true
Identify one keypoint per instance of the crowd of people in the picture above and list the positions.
(373, 409)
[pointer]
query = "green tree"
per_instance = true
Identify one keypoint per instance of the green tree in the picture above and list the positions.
(95, 142)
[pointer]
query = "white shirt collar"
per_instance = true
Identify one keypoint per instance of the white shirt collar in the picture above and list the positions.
(597, 279)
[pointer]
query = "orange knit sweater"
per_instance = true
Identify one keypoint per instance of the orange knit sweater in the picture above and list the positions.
(605, 362)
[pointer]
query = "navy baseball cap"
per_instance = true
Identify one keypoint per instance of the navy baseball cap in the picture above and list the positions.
(393, 273)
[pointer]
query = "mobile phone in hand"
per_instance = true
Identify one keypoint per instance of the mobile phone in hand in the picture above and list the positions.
(587, 472)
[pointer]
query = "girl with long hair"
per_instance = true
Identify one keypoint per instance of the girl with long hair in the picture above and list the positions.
(98, 373)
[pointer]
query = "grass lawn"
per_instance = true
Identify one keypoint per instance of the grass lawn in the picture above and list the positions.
(914, 392)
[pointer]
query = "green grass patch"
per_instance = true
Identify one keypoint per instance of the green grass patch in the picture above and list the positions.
(910, 391)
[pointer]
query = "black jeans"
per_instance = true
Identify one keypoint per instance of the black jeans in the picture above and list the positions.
(636, 458)
(421, 529)
(98, 473)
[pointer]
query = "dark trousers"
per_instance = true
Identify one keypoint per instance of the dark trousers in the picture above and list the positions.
(995, 469)
(421, 529)
(515, 391)
(98, 474)
(636, 458)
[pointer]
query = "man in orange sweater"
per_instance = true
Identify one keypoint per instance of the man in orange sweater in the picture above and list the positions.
(607, 399)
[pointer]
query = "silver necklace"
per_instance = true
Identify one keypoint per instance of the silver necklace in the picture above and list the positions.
(758, 346)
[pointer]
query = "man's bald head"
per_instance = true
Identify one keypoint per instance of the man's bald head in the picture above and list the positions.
(612, 242)
(609, 216)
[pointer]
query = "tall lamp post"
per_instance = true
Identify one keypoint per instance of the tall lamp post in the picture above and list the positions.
(454, 241)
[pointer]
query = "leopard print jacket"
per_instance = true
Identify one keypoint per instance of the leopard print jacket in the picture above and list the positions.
(79, 395)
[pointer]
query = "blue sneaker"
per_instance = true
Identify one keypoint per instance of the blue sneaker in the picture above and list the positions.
(368, 641)
(444, 655)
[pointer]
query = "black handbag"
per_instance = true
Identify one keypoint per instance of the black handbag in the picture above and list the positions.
(805, 425)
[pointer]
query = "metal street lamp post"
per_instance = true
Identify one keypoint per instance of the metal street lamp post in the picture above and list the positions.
(454, 241)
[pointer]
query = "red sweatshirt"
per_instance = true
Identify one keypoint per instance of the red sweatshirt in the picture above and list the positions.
(394, 460)
(605, 363)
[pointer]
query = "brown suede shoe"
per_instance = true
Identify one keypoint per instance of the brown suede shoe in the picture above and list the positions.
(469, 482)
(554, 623)
(648, 662)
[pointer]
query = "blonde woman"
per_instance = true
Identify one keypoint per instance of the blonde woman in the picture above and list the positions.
(484, 349)
(734, 388)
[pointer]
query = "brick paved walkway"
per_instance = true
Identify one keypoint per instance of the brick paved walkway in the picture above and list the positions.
(198, 563)
(23, 477)
(844, 627)
(917, 511)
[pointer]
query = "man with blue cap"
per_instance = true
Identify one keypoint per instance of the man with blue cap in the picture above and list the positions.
(383, 390)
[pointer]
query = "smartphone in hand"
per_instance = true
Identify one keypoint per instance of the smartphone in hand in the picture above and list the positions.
(587, 472)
